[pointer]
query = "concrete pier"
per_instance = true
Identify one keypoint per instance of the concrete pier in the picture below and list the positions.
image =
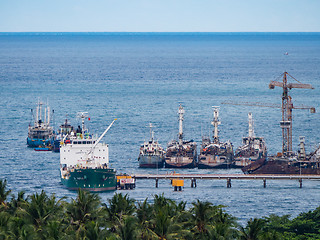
(228, 177)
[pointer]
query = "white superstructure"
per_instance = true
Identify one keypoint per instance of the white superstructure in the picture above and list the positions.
(83, 150)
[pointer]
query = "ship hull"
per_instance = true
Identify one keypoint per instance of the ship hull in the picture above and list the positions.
(56, 146)
(214, 165)
(35, 142)
(282, 166)
(213, 161)
(93, 180)
(180, 164)
(150, 161)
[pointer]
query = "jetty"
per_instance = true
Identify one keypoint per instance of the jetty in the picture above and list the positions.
(228, 177)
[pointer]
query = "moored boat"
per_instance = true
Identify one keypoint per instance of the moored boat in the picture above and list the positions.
(84, 161)
(64, 130)
(151, 154)
(181, 154)
(40, 133)
(295, 163)
(215, 154)
(253, 148)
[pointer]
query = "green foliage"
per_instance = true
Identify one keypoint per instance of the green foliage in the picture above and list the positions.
(40, 216)
(3, 193)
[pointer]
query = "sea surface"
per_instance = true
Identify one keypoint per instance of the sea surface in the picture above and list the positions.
(143, 77)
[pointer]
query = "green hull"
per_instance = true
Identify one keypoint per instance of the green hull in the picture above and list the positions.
(93, 180)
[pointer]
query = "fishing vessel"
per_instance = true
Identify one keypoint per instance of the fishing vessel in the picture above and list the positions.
(253, 148)
(64, 130)
(215, 154)
(296, 163)
(40, 133)
(151, 153)
(84, 161)
(288, 161)
(181, 154)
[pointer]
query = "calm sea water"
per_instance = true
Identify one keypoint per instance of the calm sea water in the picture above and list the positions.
(142, 78)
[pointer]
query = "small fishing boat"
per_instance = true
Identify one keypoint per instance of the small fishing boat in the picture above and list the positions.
(40, 133)
(253, 148)
(151, 154)
(64, 130)
(215, 154)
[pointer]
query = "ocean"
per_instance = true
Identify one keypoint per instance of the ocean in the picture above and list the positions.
(143, 77)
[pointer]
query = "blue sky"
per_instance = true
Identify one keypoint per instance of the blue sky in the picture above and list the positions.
(159, 15)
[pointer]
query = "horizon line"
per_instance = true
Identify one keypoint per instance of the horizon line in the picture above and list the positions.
(160, 32)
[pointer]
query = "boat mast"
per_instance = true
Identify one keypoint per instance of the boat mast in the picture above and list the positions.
(251, 127)
(48, 111)
(37, 115)
(151, 132)
(180, 135)
(40, 112)
(302, 152)
(215, 122)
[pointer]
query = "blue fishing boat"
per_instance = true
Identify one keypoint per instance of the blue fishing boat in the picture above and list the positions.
(40, 133)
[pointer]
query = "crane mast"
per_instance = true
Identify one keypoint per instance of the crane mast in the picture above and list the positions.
(286, 108)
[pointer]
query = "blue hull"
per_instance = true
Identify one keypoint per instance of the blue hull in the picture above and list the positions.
(35, 142)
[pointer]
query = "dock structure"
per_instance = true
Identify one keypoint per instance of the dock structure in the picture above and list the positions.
(228, 177)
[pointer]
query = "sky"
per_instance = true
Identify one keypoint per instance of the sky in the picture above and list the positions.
(159, 15)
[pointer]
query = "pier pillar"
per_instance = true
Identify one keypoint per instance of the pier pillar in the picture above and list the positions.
(264, 183)
(228, 183)
(195, 182)
(156, 182)
(192, 182)
(300, 181)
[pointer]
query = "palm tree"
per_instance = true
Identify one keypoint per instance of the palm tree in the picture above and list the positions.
(168, 219)
(40, 209)
(144, 214)
(3, 192)
(4, 220)
(202, 216)
(126, 228)
(118, 207)
(93, 231)
(85, 208)
(253, 230)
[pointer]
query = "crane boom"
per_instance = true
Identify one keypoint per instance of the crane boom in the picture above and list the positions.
(286, 108)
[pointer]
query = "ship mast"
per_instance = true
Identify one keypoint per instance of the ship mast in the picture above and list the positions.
(180, 135)
(251, 127)
(215, 124)
(83, 116)
(151, 132)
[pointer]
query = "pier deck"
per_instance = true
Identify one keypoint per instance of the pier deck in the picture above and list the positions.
(228, 177)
